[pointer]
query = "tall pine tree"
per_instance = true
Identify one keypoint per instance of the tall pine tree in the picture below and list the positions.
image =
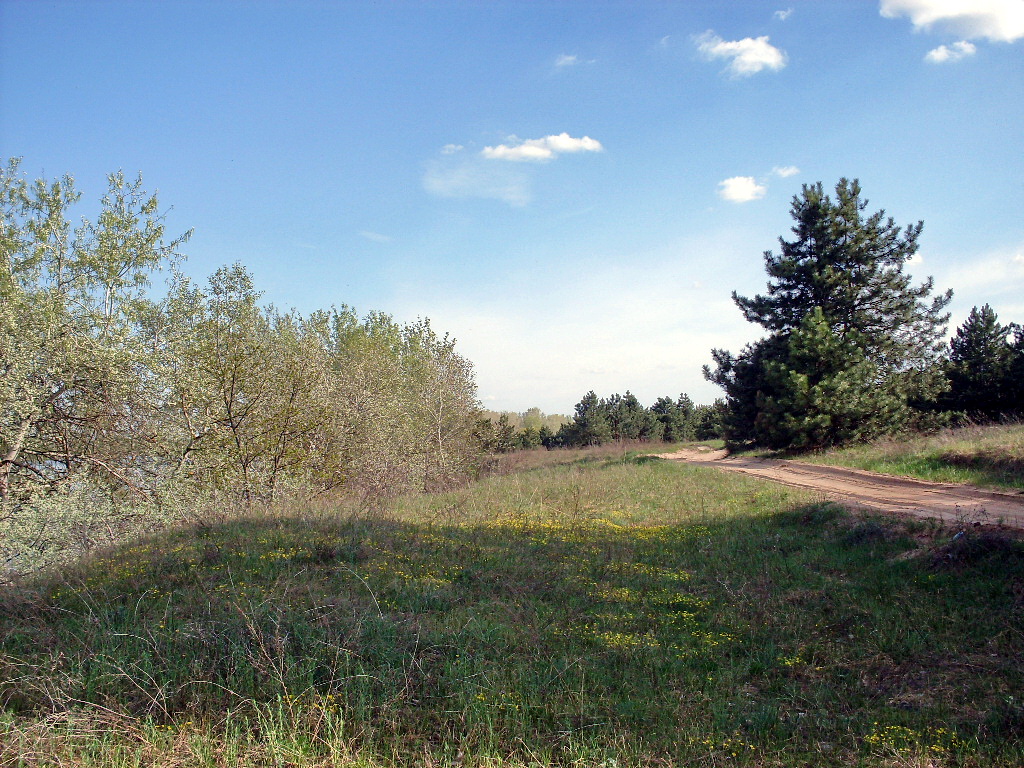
(980, 361)
(852, 343)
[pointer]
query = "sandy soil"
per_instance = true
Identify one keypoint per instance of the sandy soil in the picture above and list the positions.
(954, 503)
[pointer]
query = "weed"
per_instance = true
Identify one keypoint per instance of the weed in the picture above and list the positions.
(970, 547)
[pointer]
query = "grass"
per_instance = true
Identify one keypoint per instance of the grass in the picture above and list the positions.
(603, 612)
(986, 456)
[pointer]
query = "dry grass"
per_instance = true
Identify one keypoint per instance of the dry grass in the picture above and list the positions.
(987, 456)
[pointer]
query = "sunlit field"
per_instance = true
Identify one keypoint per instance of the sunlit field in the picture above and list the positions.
(601, 612)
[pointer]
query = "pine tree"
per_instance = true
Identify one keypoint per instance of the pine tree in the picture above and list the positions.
(980, 361)
(1015, 393)
(676, 417)
(836, 291)
(824, 391)
(590, 425)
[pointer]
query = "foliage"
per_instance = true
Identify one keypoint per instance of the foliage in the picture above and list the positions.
(853, 346)
(75, 389)
(984, 367)
(824, 391)
(110, 397)
(708, 420)
(676, 417)
(622, 418)
(496, 437)
(590, 425)
(531, 418)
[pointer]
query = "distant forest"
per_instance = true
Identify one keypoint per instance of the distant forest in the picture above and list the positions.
(603, 420)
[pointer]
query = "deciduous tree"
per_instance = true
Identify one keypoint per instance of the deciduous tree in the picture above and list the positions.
(76, 377)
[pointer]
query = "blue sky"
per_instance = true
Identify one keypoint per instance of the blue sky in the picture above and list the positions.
(572, 190)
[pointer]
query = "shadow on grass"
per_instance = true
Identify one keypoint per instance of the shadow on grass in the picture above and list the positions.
(769, 634)
(991, 468)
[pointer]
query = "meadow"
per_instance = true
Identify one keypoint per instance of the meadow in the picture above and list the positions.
(582, 609)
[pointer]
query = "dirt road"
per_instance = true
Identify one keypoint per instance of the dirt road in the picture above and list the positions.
(869, 489)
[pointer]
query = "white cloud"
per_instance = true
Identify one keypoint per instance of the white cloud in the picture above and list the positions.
(567, 61)
(475, 179)
(783, 15)
(519, 153)
(785, 171)
(995, 277)
(996, 20)
(375, 237)
(741, 189)
(917, 258)
(947, 54)
(541, 150)
(466, 176)
(746, 57)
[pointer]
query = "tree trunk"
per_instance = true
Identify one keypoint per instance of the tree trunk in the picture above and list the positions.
(10, 457)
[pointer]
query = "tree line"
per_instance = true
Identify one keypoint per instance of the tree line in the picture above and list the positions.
(110, 392)
(853, 349)
(615, 418)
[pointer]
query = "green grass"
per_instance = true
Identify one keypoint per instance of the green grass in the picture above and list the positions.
(604, 613)
(986, 456)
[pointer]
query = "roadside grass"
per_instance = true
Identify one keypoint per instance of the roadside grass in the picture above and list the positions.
(538, 458)
(604, 613)
(989, 456)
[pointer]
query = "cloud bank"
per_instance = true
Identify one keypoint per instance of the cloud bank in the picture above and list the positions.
(746, 57)
(996, 20)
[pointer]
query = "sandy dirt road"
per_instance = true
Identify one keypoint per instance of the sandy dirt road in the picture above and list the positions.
(855, 487)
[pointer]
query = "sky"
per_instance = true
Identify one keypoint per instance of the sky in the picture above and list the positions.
(573, 190)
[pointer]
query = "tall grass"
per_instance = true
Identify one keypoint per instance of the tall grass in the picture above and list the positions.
(604, 613)
(986, 456)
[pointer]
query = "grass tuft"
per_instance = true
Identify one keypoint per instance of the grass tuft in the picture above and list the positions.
(990, 456)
